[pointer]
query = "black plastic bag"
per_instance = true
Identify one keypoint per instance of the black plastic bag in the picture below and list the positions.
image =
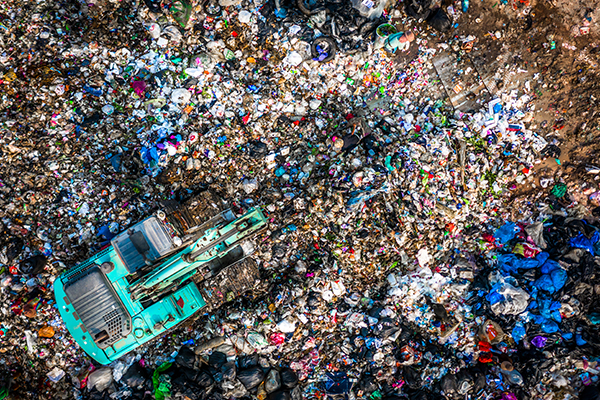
(14, 248)
(551, 150)
(33, 265)
(419, 395)
(204, 379)
(248, 361)
(419, 9)
(590, 393)
(464, 381)
(217, 359)
(91, 119)
(279, 395)
(289, 378)
(135, 376)
(257, 149)
(251, 377)
(440, 21)
(186, 357)
(448, 385)
(187, 374)
(228, 370)
(411, 377)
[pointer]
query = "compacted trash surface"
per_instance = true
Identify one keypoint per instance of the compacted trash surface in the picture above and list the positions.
(430, 173)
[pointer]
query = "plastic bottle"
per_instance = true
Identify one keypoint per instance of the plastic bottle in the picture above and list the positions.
(514, 377)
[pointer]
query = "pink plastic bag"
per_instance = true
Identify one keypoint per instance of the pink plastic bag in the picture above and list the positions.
(276, 338)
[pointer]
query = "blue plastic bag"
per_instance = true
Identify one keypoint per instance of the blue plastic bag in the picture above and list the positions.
(582, 242)
(92, 91)
(494, 297)
(559, 278)
(552, 282)
(549, 266)
(510, 263)
(518, 332)
(505, 232)
(549, 326)
(542, 257)
(545, 283)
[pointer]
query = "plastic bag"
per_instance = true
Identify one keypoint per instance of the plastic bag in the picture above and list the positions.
(162, 389)
(510, 263)
(518, 332)
(217, 359)
(56, 374)
(33, 265)
(273, 381)
(251, 377)
(204, 379)
(134, 376)
(212, 343)
(582, 242)
(506, 232)
(419, 9)
(449, 385)
(257, 340)
(289, 378)
(440, 21)
(504, 298)
(100, 379)
(248, 361)
(286, 326)
(590, 393)
(552, 282)
(186, 357)
(371, 9)
(536, 233)
(279, 395)
(228, 370)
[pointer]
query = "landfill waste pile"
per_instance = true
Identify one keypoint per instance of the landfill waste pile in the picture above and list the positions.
(413, 250)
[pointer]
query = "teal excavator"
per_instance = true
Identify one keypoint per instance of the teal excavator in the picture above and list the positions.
(186, 259)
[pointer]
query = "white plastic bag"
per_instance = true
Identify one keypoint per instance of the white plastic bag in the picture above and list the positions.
(515, 300)
(181, 96)
(286, 326)
(100, 379)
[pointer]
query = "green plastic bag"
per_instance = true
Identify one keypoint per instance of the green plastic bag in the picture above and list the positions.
(559, 190)
(162, 388)
(182, 11)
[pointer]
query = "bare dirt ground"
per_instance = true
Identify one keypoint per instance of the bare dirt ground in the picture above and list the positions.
(545, 51)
